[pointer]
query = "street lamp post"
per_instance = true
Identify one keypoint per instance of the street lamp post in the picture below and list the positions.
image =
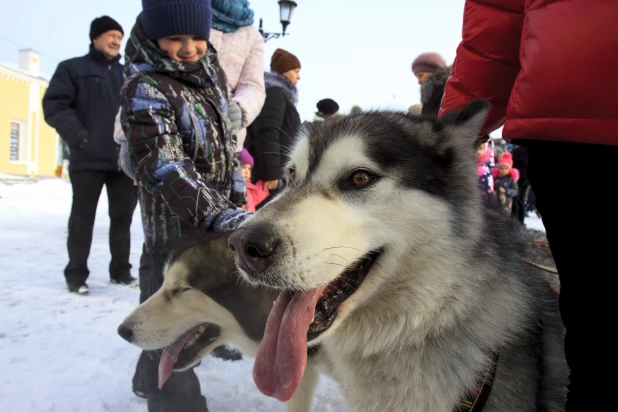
(286, 8)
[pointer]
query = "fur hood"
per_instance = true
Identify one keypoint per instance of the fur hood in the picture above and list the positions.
(290, 92)
(433, 83)
(514, 173)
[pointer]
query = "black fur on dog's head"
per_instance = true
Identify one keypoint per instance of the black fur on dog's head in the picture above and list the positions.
(210, 269)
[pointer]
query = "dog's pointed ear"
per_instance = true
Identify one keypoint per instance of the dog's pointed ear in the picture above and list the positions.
(467, 123)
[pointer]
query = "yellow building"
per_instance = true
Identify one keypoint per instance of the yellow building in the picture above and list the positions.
(28, 146)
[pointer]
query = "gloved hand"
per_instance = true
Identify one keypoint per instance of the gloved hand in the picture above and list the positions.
(230, 219)
(58, 171)
(235, 116)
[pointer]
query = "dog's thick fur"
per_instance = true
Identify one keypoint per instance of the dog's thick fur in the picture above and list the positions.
(450, 287)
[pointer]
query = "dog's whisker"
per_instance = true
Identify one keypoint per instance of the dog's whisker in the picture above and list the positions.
(341, 257)
(337, 264)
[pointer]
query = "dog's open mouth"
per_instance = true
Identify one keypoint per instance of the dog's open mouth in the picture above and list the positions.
(186, 349)
(337, 292)
(297, 318)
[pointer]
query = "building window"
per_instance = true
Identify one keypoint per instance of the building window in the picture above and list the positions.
(19, 144)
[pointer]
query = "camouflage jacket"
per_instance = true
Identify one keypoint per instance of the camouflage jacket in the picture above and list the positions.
(175, 117)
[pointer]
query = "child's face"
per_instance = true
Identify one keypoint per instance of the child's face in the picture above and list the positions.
(183, 48)
(504, 170)
(246, 172)
(481, 150)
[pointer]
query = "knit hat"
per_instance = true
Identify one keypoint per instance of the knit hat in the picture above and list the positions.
(356, 110)
(506, 160)
(164, 18)
(283, 61)
(327, 107)
(103, 24)
(246, 158)
(428, 62)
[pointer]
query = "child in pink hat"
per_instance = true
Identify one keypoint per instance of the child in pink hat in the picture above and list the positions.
(505, 183)
(256, 193)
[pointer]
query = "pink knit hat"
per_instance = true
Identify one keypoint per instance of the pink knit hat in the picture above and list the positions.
(428, 62)
(246, 158)
(506, 160)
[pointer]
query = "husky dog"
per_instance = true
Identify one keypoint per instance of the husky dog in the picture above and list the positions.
(418, 296)
(202, 304)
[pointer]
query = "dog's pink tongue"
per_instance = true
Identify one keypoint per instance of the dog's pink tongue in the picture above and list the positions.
(169, 358)
(281, 360)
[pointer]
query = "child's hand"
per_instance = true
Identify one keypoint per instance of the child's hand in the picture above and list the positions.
(502, 190)
(271, 184)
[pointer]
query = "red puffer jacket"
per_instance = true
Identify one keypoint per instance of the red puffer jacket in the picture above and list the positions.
(548, 67)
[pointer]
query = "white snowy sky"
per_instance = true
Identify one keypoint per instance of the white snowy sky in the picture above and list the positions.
(355, 52)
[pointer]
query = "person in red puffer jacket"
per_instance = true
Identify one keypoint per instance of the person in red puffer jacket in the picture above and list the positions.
(256, 192)
(548, 69)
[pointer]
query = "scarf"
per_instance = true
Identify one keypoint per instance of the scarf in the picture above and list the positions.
(229, 15)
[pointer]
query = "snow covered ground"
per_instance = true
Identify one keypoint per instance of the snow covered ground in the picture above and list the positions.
(60, 352)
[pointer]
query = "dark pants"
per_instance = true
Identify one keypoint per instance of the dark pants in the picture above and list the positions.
(87, 186)
(585, 247)
(181, 392)
(519, 201)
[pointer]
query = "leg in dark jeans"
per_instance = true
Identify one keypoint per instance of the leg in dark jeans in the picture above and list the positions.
(181, 392)
(519, 202)
(121, 205)
(87, 186)
(585, 249)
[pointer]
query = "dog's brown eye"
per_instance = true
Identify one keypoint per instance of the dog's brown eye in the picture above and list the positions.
(292, 173)
(360, 178)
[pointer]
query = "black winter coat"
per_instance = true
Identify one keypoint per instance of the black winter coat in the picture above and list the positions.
(271, 135)
(81, 103)
(432, 91)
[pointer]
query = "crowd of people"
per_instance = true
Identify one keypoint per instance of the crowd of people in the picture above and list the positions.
(193, 129)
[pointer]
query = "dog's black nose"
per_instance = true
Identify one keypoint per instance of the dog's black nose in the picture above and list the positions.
(125, 333)
(253, 247)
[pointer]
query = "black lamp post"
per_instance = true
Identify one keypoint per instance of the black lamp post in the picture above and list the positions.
(286, 7)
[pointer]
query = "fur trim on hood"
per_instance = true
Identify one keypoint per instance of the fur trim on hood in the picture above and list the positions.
(514, 173)
(435, 81)
(278, 80)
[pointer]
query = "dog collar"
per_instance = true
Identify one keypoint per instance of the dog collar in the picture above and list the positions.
(475, 399)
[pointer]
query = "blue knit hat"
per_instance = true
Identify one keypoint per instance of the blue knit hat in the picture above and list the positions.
(164, 18)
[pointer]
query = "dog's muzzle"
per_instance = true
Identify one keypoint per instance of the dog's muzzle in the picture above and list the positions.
(255, 248)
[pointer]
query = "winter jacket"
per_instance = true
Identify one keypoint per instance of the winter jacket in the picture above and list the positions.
(272, 133)
(81, 103)
(432, 91)
(520, 162)
(511, 189)
(547, 68)
(256, 193)
(241, 55)
(174, 115)
(483, 171)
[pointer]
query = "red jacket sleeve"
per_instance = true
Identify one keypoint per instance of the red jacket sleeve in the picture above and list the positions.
(487, 61)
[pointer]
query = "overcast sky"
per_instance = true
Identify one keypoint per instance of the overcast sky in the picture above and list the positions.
(353, 51)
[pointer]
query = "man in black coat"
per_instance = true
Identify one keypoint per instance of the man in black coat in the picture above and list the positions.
(81, 103)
